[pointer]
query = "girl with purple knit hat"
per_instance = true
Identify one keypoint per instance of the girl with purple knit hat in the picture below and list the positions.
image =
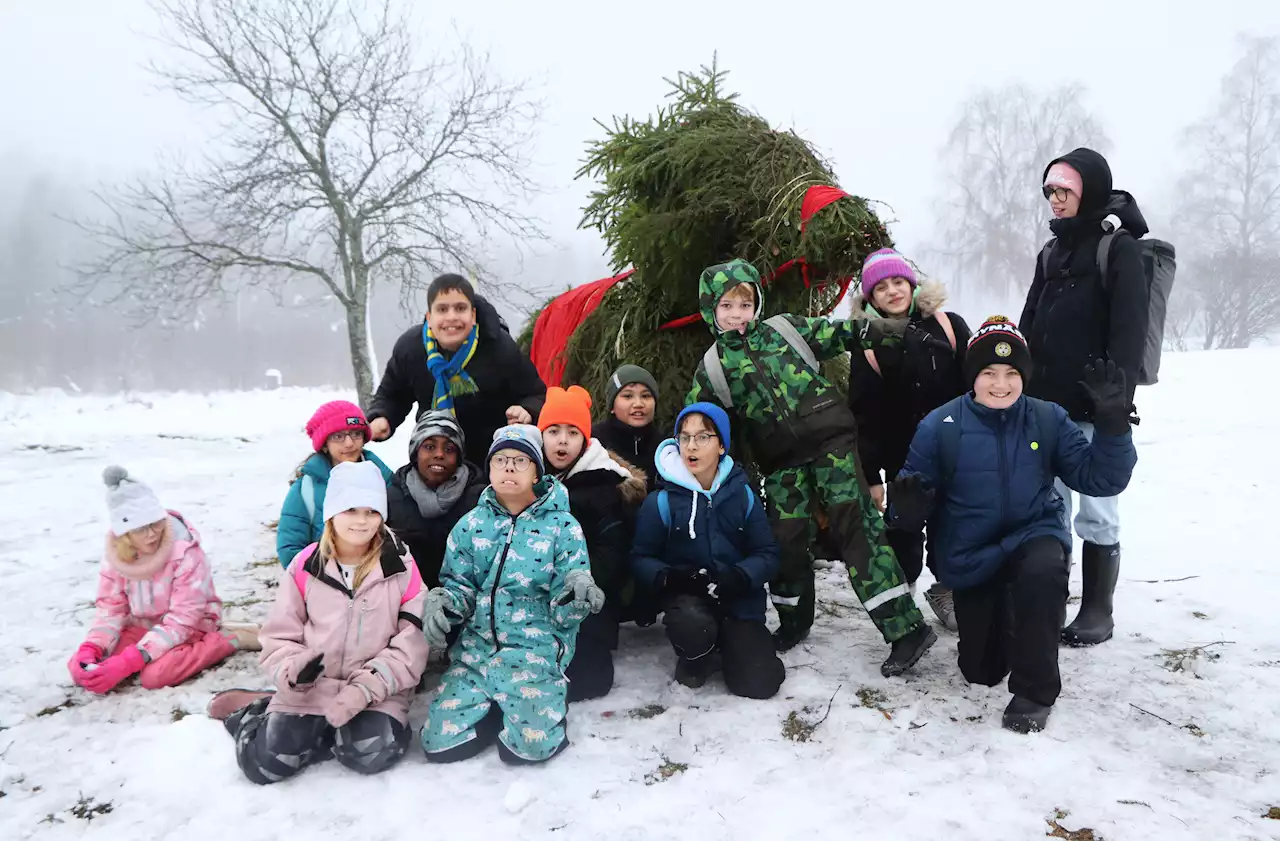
(892, 389)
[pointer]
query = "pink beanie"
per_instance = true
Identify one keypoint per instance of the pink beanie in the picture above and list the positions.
(335, 417)
(881, 264)
(1064, 174)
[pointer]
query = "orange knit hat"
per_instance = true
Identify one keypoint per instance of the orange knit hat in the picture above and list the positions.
(571, 406)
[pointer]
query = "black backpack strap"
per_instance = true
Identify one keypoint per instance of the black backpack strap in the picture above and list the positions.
(1104, 253)
(1044, 257)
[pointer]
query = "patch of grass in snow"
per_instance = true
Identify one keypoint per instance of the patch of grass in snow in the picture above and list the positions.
(57, 708)
(799, 726)
(1189, 659)
(86, 809)
(647, 711)
(874, 699)
(1057, 830)
(665, 771)
(1273, 813)
(273, 561)
(1199, 614)
(243, 601)
(178, 715)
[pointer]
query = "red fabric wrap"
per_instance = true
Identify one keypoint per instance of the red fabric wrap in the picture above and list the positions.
(558, 321)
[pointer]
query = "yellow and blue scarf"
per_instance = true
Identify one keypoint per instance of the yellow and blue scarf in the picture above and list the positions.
(450, 374)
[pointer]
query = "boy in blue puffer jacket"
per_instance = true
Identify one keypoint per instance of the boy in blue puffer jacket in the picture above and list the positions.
(980, 472)
(703, 544)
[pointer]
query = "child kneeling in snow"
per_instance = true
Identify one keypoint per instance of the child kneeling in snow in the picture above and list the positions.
(981, 472)
(158, 614)
(343, 642)
(517, 578)
(604, 493)
(704, 544)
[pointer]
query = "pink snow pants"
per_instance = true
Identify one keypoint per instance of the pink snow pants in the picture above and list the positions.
(182, 661)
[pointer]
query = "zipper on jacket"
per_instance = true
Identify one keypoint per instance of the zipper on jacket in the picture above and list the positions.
(768, 379)
(497, 580)
(1004, 473)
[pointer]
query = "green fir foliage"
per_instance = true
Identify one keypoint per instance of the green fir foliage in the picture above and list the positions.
(702, 181)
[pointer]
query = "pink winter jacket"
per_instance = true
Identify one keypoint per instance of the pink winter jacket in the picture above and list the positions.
(373, 636)
(170, 593)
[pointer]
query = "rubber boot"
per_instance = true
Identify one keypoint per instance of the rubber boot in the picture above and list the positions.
(906, 652)
(794, 623)
(1025, 716)
(1093, 624)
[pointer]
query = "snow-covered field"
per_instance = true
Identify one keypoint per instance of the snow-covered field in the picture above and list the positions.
(1136, 749)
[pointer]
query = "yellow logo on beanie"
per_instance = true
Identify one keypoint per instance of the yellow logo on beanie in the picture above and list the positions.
(1003, 349)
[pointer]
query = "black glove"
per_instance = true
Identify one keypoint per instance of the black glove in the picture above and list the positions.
(686, 581)
(732, 585)
(910, 503)
(1104, 385)
(308, 673)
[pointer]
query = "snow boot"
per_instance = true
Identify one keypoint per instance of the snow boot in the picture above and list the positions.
(788, 637)
(229, 701)
(694, 673)
(1093, 624)
(939, 598)
(908, 650)
(1025, 716)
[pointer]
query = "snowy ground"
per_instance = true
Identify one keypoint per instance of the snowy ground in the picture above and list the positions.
(916, 758)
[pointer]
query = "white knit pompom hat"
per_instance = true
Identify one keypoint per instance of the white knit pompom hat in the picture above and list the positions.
(130, 503)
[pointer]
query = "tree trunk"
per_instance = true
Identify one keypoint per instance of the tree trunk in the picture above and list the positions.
(361, 350)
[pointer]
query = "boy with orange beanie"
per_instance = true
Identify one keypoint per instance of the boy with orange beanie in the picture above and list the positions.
(604, 494)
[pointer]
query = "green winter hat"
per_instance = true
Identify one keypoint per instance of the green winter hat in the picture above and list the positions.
(625, 376)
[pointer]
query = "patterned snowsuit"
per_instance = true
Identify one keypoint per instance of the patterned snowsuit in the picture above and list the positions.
(802, 435)
(502, 574)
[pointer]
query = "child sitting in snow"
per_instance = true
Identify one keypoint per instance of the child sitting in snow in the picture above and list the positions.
(981, 473)
(629, 429)
(604, 493)
(343, 642)
(517, 578)
(338, 432)
(891, 389)
(158, 614)
(703, 543)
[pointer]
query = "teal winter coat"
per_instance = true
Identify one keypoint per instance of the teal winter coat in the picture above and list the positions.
(502, 575)
(301, 523)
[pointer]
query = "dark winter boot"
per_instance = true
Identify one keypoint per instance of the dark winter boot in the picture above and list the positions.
(1093, 624)
(788, 637)
(908, 650)
(1025, 716)
(694, 673)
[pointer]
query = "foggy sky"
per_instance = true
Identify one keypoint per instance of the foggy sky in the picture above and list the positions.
(875, 86)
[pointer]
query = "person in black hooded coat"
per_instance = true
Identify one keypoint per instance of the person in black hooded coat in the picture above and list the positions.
(503, 384)
(1072, 316)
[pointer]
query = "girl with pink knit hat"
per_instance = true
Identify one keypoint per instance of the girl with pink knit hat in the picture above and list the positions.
(158, 614)
(892, 389)
(338, 431)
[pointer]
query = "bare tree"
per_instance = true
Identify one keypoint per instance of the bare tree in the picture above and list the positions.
(344, 158)
(1230, 202)
(992, 217)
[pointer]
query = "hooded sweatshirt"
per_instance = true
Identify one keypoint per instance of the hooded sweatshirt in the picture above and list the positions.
(1072, 316)
(716, 530)
(791, 413)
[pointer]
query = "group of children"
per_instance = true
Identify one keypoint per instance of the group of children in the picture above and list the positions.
(523, 567)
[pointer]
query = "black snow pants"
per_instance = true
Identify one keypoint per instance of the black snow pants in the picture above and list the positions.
(697, 631)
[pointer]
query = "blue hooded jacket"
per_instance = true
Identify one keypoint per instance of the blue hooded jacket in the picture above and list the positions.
(1000, 495)
(714, 530)
(298, 529)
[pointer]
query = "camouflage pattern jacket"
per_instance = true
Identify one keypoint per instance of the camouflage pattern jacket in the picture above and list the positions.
(791, 414)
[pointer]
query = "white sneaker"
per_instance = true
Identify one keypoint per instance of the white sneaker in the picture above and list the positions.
(939, 598)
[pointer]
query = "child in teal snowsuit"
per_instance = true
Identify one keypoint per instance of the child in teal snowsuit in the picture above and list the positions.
(517, 578)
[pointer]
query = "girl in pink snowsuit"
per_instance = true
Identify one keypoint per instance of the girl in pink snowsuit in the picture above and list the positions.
(158, 614)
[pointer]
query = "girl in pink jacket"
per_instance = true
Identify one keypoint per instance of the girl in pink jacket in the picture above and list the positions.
(158, 614)
(343, 643)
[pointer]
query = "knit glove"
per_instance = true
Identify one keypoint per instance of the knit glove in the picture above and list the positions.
(113, 670)
(436, 623)
(910, 503)
(685, 581)
(350, 701)
(580, 588)
(731, 586)
(1104, 386)
(88, 654)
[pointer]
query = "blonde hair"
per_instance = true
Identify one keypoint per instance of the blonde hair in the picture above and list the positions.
(740, 292)
(328, 549)
(125, 549)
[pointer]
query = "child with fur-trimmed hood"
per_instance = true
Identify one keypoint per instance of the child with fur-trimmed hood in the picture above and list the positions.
(605, 492)
(892, 388)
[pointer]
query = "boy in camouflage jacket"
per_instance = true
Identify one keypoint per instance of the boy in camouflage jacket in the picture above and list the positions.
(801, 434)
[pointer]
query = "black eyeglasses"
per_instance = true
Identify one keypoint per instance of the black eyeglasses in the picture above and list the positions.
(1056, 193)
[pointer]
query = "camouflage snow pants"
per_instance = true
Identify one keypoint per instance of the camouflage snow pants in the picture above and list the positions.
(834, 480)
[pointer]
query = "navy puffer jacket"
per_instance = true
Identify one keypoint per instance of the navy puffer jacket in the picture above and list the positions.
(714, 530)
(1000, 496)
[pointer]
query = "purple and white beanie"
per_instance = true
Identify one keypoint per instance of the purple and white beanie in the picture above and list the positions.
(885, 263)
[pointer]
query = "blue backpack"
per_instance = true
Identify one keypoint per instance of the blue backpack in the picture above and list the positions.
(1045, 441)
